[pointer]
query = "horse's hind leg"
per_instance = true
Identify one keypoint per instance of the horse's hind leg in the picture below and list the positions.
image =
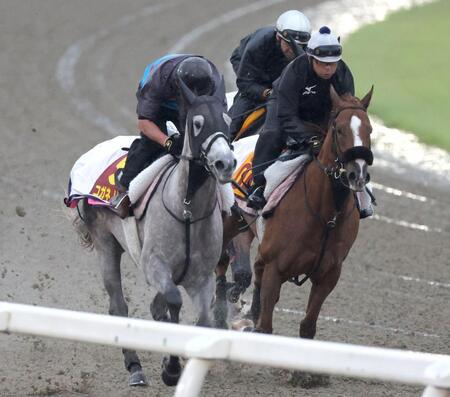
(109, 256)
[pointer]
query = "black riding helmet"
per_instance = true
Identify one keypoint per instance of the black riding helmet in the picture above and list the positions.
(197, 74)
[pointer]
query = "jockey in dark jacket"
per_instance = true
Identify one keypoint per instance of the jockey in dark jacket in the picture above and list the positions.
(261, 57)
(301, 94)
(159, 101)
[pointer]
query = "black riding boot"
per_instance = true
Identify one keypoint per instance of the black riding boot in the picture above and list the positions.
(142, 153)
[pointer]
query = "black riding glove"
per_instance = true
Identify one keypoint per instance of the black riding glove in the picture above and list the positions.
(174, 144)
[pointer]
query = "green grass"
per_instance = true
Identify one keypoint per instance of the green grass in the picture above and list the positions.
(407, 59)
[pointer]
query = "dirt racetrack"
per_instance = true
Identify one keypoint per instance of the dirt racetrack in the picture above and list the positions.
(68, 75)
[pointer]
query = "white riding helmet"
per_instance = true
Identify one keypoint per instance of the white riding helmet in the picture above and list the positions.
(294, 24)
(324, 46)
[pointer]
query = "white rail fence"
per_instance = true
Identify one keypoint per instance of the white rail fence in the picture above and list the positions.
(203, 346)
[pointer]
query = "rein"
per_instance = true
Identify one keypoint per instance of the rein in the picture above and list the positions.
(340, 191)
(339, 203)
(190, 191)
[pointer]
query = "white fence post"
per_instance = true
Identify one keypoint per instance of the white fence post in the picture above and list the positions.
(191, 380)
(437, 372)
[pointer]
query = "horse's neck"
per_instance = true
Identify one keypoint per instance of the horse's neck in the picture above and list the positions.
(331, 194)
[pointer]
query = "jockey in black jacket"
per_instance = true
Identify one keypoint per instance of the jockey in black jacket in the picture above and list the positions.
(261, 57)
(159, 101)
(301, 94)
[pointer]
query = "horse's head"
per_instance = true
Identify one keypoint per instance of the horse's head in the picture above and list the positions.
(207, 131)
(349, 138)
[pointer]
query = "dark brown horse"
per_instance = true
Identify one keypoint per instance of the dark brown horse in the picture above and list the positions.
(316, 223)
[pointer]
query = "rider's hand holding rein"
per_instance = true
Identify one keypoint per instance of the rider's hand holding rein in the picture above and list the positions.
(174, 144)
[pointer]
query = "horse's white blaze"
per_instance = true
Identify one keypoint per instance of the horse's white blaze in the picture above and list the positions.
(355, 123)
(361, 163)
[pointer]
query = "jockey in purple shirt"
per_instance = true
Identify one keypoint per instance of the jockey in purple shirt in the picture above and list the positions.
(159, 101)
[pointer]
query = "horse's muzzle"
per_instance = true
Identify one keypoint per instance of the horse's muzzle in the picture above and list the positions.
(223, 168)
(356, 175)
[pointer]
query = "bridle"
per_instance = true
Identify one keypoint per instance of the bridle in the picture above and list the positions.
(337, 170)
(203, 158)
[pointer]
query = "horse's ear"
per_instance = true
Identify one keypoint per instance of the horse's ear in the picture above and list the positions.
(335, 98)
(366, 100)
(220, 90)
(186, 92)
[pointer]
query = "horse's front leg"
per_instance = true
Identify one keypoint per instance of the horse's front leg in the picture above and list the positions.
(270, 294)
(110, 265)
(240, 265)
(320, 289)
(220, 304)
(169, 296)
(202, 297)
(231, 226)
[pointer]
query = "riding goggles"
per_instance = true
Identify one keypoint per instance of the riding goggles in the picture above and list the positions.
(325, 51)
(299, 37)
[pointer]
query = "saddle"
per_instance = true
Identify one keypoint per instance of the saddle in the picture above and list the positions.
(280, 176)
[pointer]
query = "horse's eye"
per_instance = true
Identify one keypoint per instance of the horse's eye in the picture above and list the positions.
(198, 121)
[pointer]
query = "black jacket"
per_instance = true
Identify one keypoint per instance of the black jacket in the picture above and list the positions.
(258, 61)
(302, 96)
(157, 94)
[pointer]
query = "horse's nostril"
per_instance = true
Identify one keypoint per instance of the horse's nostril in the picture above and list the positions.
(352, 176)
(234, 163)
(367, 178)
(219, 165)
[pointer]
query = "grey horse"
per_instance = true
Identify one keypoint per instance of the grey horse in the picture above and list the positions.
(181, 232)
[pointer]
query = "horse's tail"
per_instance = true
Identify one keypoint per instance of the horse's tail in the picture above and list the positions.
(78, 216)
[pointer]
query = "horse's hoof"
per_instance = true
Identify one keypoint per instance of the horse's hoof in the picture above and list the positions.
(220, 323)
(171, 373)
(137, 378)
(307, 380)
(253, 329)
(233, 294)
(242, 325)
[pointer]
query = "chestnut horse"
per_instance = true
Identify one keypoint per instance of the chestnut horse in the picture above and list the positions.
(316, 223)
